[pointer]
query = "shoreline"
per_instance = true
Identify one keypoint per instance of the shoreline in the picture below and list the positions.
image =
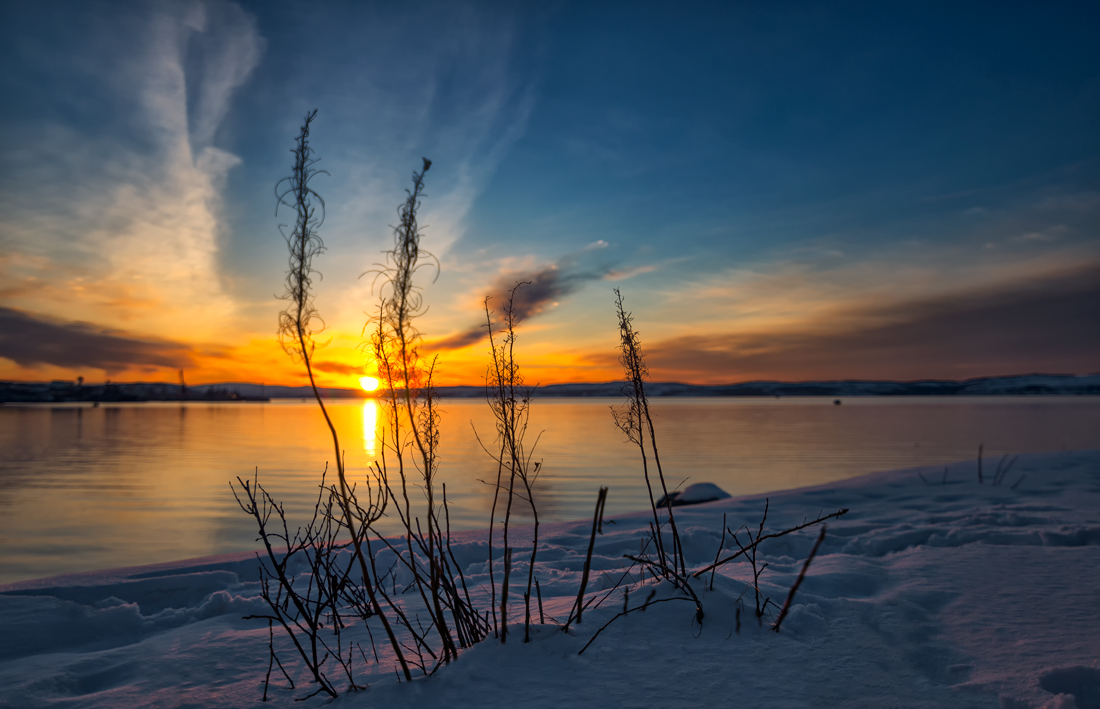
(1015, 385)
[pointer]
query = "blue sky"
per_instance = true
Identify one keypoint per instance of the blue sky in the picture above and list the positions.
(780, 191)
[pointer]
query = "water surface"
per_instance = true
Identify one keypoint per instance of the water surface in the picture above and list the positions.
(119, 485)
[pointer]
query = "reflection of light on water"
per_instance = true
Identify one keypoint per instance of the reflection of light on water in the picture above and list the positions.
(370, 424)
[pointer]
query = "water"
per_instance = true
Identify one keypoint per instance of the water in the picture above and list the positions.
(85, 488)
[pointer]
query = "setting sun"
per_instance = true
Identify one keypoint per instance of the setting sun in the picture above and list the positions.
(368, 383)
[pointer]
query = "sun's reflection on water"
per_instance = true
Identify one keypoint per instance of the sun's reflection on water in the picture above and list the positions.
(370, 426)
(138, 483)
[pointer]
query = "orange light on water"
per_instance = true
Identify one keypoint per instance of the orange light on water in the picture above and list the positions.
(368, 383)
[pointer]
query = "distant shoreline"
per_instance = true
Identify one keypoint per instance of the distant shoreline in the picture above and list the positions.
(1020, 385)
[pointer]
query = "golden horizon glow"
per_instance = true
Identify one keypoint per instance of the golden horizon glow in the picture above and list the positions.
(368, 383)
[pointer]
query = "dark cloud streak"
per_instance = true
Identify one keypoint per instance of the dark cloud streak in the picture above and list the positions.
(543, 288)
(1044, 325)
(32, 340)
(337, 368)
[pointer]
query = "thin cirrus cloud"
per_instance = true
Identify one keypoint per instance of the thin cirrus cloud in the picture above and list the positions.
(123, 219)
(449, 87)
(32, 341)
(1043, 324)
(454, 85)
(128, 206)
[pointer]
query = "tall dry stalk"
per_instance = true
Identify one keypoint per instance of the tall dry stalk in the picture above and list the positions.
(510, 401)
(635, 420)
(414, 423)
(300, 321)
(577, 614)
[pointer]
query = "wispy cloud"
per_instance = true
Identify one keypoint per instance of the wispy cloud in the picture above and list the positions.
(123, 220)
(130, 208)
(457, 88)
(628, 273)
(1047, 235)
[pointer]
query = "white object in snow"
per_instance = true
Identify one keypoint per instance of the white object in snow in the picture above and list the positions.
(695, 494)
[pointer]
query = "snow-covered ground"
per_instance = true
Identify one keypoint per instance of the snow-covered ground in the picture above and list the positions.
(934, 591)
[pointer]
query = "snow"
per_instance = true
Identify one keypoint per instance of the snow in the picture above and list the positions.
(695, 494)
(933, 591)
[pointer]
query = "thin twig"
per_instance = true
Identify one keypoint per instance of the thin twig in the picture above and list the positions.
(642, 607)
(578, 606)
(838, 513)
(798, 581)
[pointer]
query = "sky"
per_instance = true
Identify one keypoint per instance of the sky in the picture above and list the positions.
(779, 190)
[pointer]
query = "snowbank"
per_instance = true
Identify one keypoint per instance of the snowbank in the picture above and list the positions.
(934, 591)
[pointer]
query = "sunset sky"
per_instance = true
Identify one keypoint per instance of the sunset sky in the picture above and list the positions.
(781, 191)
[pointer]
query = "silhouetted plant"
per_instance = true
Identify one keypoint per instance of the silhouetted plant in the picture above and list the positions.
(510, 401)
(303, 605)
(597, 527)
(798, 582)
(683, 582)
(635, 421)
(413, 422)
(298, 324)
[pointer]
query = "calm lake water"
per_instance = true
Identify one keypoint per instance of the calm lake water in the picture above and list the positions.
(86, 488)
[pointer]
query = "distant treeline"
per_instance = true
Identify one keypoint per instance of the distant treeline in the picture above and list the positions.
(60, 391)
(1023, 385)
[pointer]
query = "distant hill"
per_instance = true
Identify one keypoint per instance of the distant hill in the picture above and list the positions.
(1022, 385)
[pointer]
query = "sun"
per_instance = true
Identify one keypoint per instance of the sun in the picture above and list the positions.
(368, 383)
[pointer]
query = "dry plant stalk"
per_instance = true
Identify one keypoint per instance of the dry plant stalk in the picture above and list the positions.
(304, 606)
(798, 581)
(300, 322)
(1003, 466)
(597, 526)
(413, 421)
(718, 554)
(635, 420)
(414, 416)
(751, 551)
(510, 402)
(682, 582)
(504, 594)
(744, 550)
(649, 602)
(412, 437)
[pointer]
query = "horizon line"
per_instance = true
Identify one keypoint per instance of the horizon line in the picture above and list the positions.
(577, 383)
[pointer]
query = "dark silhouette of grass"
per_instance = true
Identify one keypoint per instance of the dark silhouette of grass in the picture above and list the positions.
(636, 421)
(510, 401)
